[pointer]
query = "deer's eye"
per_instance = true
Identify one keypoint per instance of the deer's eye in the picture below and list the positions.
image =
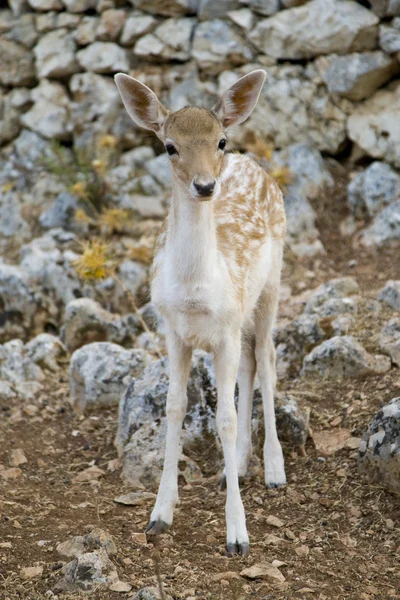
(171, 149)
(222, 144)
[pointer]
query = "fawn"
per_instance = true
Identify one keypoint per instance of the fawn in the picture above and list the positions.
(215, 280)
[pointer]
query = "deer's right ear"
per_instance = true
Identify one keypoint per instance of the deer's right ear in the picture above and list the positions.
(141, 103)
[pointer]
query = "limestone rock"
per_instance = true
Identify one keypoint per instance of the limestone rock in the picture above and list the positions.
(16, 64)
(46, 350)
(264, 7)
(243, 17)
(100, 373)
(86, 31)
(171, 40)
(389, 39)
(390, 294)
(87, 572)
(375, 126)
(103, 57)
(15, 364)
(45, 5)
(111, 23)
(49, 115)
(166, 8)
(78, 6)
(149, 593)
(217, 46)
(18, 302)
(389, 340)
(386, 8)
(379, 454)
(307, 115)
(97, 539)
(318, 27)
(208, 9)
(294, 340)
(55, 54)
(356, 76)
(343, 356)
(335, 288)
(384, 228)
(373, 189)
(85, 321)
(24, 31)
(61, 213)
(136, 26)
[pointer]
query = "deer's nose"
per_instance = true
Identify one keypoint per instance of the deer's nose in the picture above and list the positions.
(205, 190)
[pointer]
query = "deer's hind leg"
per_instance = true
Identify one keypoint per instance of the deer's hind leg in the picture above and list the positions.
(247, 373)
(265, 315)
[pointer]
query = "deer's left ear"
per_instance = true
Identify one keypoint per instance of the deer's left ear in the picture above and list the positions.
(237, 103)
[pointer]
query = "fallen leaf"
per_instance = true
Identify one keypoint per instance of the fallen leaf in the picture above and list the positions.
(274, 521)
(88, 475)
(135, 498)
(328, 442)
(30, 572)
(120, 586)
(263, 571)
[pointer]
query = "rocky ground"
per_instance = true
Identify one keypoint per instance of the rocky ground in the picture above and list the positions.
(331, 533)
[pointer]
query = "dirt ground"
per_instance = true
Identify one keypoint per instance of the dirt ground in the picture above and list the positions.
(338, 535)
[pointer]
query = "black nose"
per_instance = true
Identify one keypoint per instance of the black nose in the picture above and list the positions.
(205, 190)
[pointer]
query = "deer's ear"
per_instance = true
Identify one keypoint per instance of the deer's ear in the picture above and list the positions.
(237, 103)
(141, 103)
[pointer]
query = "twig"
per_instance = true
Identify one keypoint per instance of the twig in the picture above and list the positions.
(157, 562)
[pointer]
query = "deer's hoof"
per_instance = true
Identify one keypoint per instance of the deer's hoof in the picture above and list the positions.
(156, 527)
(237, 548)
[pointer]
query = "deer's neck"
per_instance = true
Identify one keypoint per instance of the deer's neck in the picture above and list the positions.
(191, 237)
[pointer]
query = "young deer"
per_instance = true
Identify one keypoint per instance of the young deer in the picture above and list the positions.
(216, 277)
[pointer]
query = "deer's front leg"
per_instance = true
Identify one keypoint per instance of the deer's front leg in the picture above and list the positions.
(167, 497)
(226, 367)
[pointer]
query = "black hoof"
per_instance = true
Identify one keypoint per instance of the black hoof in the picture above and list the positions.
(156, 527)
(241, 549)
(274, 486)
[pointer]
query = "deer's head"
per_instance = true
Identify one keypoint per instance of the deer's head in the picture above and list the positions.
(194, 138)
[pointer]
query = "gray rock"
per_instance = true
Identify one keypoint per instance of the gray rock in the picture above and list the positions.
(78, 6)
(160, 169)
(103, 57)
(100, 373)
(12, 223)
(379, 454)
(15, 364)
(6, 391)
(136, 26)
(384, 228)
(192, 91)
(343, 356)
(373, 189)
(217, 46)
(16, 64)
(335, 288)
(294, 340)
(301, 230)
(389, 340)
(149, 593)
(86, 31)
(61, 214)
(49, 268)
(318, 27)
(85, 321)
(170, 41)
(356, 76)
(374, 126)
(264, 7)
(9, 119)
(97, 539)
(137, 158)
(46, 350)
(24, 31)
(389, 39)
(307, 115)
(172, 8)
(133, 274)
(111, 24)
(88, 572)
(243, 17)
(337, 307)
(50, 113)
(386, 8)
(45, 5)
(342, 324)
(55, 54)
(18, 303)
(208, 9)
(390, 294)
